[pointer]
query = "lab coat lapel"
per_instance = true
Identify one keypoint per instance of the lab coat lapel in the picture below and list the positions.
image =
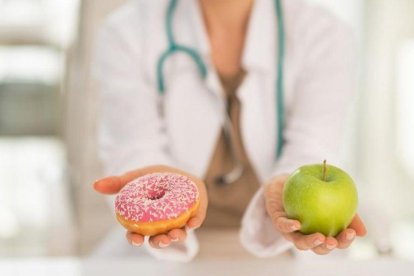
(194, 35)
(257, 94)
(259, 49)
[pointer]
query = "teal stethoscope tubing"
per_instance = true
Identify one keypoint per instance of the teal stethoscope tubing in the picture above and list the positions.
(174, 47)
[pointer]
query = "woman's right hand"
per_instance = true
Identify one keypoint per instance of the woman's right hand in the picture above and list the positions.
(113, 184)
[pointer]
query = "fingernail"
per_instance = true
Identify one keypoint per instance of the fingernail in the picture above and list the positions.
(317, 242)
(350, 236)
(136, 244)
(174, 239)
(193, 227)
(330, 246)
(95, 183)
(294, 228)
(162, 245)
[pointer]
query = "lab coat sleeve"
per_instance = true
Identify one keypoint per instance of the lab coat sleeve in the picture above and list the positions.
(131, 130)
(314, 120)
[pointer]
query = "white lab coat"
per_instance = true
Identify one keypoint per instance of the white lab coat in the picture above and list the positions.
(133, 134)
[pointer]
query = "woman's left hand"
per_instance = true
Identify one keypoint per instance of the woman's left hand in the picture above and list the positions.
(316, 242)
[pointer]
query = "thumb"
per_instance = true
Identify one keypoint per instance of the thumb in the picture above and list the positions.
(198, 218)
(108, 185)
(358, 225)
(273, 194)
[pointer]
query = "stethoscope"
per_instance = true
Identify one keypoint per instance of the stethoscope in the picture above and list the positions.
(174, 47)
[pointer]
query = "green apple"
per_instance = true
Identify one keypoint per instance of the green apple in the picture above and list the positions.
(322, 197)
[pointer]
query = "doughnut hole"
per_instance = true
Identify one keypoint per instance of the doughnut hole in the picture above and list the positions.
(157, 194)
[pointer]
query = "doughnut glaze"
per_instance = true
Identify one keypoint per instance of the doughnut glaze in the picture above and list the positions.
(153, 203)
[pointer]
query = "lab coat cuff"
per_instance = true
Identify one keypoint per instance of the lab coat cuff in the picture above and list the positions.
(178, 252)
(257, 233)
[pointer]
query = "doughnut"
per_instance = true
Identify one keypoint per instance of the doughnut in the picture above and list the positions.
(156, 203)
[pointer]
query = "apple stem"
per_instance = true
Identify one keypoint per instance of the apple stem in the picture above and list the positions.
(324, 170)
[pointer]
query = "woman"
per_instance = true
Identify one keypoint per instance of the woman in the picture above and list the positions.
(207, 124)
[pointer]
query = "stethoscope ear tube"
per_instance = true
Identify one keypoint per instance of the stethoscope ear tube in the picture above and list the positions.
(280, 102)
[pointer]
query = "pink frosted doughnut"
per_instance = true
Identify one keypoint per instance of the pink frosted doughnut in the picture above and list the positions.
(156, 203)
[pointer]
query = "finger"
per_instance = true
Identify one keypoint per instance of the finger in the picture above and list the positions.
(306, 242)
(358, 226)
(285, 225)
(177, 235)
(330, 243)
(159, 241)
(135, 239)
(321, 250)
(325, 248)
(345, 238)
(196, 221)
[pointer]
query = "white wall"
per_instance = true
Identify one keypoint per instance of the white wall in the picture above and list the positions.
(389, 25)
(94, 216)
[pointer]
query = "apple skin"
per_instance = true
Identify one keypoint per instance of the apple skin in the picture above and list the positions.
(327, 207)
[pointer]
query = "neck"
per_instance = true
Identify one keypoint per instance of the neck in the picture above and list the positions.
(230, 15)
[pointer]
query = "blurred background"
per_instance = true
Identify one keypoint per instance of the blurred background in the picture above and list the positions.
(48, 157)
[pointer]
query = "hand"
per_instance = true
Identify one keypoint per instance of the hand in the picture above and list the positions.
(113, 184)
(316, 242)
